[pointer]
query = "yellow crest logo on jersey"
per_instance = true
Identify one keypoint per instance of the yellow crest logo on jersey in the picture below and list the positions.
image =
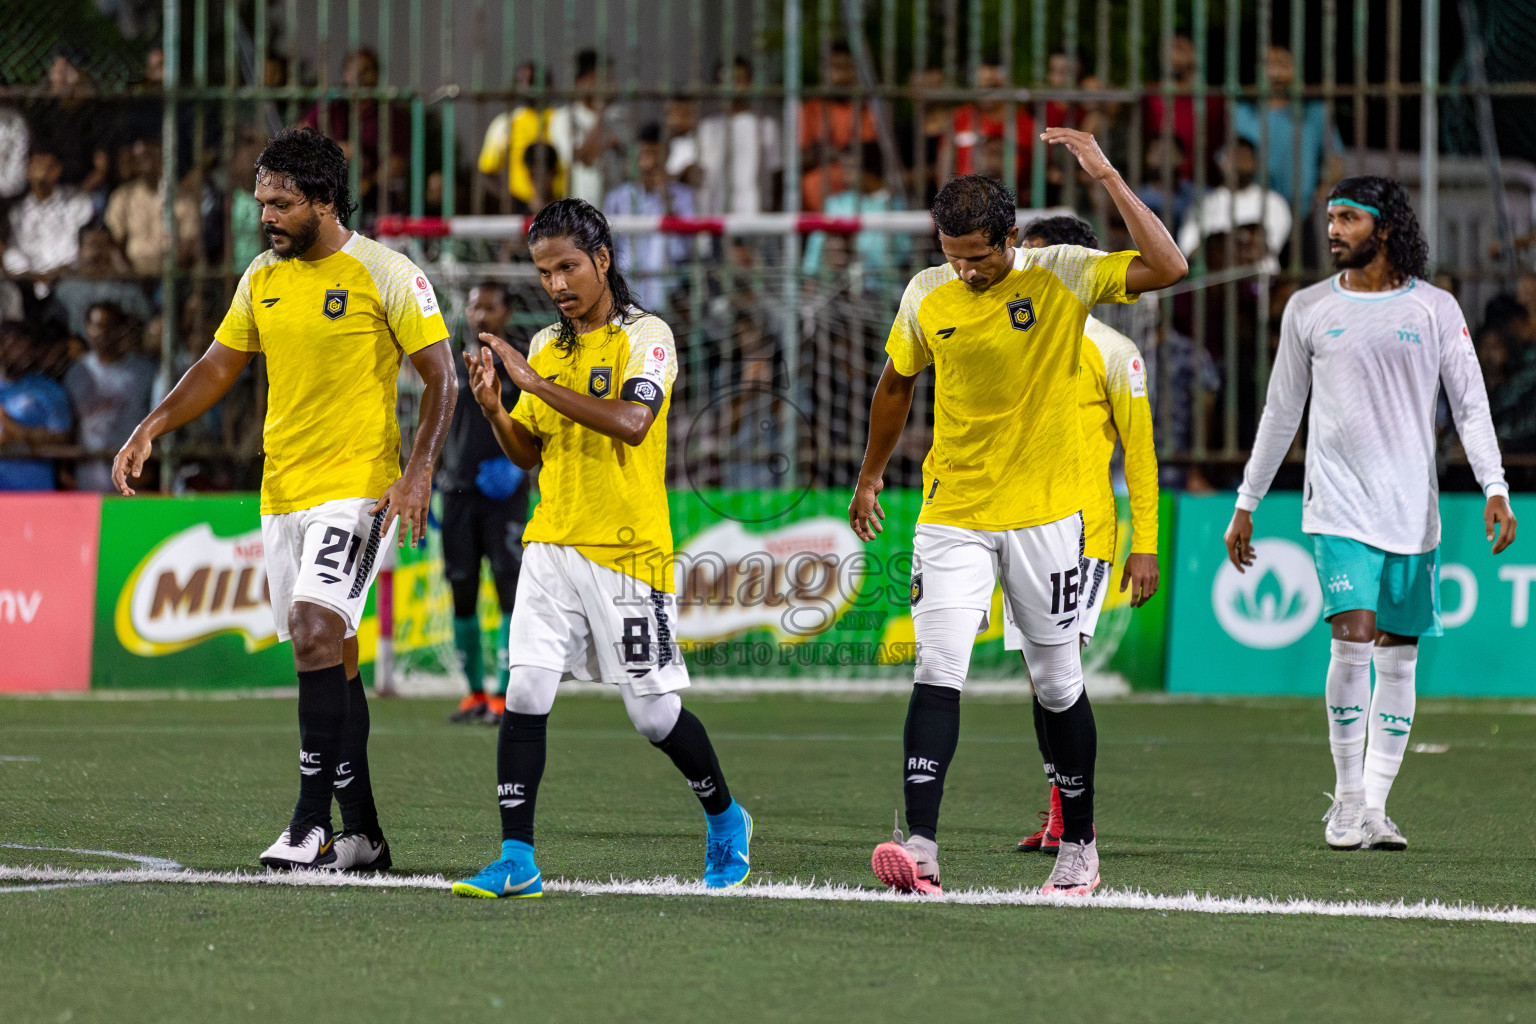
(601, 382)
(1021, 313)
(917, 587)
(335, 303)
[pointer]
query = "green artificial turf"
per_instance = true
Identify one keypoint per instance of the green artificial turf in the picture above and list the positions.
(1211, 797)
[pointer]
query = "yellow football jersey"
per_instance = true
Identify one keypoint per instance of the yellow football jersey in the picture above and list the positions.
(334, 332)
(1112, 396)
(1007, 438)
(597, 494)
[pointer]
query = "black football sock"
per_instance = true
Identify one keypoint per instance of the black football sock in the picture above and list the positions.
(354, 787)
(928, 743)
(520, 749)
(1074, 743)
(1045, 748)
(689, 748)
(322, 720)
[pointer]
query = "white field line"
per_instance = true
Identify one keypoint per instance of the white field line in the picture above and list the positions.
(1110, 899)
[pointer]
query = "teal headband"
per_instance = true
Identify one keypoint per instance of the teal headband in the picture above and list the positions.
(1359, 206)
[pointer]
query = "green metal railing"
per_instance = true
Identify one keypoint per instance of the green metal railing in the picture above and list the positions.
(444, 68)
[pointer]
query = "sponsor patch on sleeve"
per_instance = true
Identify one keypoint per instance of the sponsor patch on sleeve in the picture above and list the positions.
(654, 365)
(1136, 373)
(421, 288)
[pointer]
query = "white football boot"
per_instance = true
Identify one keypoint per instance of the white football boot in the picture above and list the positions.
(356, 852)
(1379, 832)
(302, 847)
(1077, 870)
(1342, 825)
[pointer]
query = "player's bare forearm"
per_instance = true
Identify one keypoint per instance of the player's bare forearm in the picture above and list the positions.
(440, 391)
(410, 497)
(1160, 263)
(888, 411)
(619, 419)
(200, 389)
(519, 445)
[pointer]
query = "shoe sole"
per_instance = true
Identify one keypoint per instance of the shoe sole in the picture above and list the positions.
(895, 867)
(278, 864)
(1342, 847)
(1070, 890)
(475, 892)
(1388, 844)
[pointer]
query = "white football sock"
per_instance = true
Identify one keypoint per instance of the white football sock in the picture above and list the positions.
(1391, 719)
(1347, 692)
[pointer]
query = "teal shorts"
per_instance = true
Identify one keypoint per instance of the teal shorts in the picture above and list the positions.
(1403, 590)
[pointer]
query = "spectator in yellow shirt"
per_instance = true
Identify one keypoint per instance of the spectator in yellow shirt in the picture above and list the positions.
(509, 136)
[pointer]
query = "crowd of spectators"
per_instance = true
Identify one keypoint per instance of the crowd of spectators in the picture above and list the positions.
(84, 191)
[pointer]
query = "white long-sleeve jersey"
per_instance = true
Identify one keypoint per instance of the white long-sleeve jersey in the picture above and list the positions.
(1374, 362)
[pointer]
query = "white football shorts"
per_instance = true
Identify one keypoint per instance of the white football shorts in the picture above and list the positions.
(1096, 576)
(1040, 568)
(327, 555)
(592, 622)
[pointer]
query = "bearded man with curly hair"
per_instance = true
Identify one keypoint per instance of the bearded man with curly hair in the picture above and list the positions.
(1374, 344)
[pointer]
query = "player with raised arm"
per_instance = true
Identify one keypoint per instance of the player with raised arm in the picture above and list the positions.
(1003, 484)
(595, 598)
(1113, 406)
(1374, 344)
(334, 313)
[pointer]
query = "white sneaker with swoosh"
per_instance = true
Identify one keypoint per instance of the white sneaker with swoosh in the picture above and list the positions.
(302, 846)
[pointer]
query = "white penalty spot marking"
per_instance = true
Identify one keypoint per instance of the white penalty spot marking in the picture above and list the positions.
(1110, 899)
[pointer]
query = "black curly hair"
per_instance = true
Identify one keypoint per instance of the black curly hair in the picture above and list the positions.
(587, 229)
(311, 164)
(975, 202)
(1061, 231)
(1397, 227)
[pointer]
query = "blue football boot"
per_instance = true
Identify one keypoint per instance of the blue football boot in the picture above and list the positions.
(515, 874)
(727, 855)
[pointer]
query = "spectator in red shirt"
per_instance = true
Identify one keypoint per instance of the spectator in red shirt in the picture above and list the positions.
(975, 123)
(1181, 64)
(827, 139)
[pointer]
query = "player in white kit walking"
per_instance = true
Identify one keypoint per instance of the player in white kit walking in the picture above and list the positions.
(1375, 344)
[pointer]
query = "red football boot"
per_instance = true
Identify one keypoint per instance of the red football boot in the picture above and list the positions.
(1048, 839)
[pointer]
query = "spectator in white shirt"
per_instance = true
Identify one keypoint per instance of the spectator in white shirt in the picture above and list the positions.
(737, 152)
(45, 224)
(587, 134)
(1224, 209)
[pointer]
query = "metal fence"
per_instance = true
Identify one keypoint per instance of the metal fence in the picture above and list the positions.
(909, 90)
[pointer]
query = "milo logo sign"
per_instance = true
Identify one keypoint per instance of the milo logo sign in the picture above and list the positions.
(1275, 602)
(193, 586)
